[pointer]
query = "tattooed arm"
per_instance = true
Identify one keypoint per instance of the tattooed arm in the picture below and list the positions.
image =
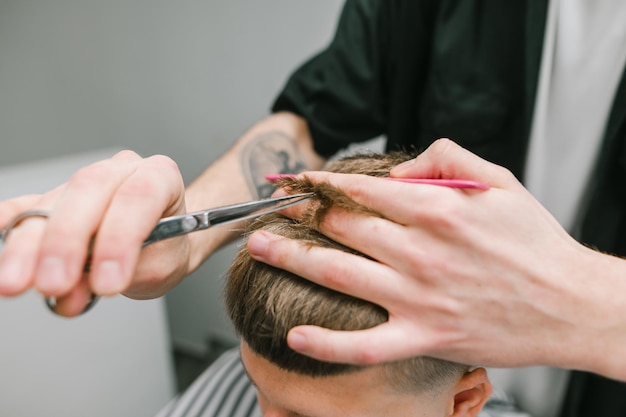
(119, 200)
(280, 143)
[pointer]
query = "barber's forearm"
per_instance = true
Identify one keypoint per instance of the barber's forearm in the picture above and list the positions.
(279, 143)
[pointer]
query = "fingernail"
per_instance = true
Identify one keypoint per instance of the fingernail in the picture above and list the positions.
(108, 278)
(297, 340)
(403, 166)
(52, 275)
(10, 275)
(258, 244)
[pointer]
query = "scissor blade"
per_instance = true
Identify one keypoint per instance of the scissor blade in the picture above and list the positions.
(200, 220)
(253, 209)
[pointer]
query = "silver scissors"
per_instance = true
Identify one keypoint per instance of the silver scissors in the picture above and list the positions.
(183, 224)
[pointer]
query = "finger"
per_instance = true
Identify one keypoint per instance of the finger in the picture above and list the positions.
(382, 343)
(331, 268)
(419, 202)
(18, 254)
(155, 189)
(74, 303)
(406, 248)
(74, 220)
(160, 272)
(12, 207)
(410, 246)
(445, 159)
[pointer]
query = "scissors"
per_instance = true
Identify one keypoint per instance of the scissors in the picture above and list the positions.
(179, 225)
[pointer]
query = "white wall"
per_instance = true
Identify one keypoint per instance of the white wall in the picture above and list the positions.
(182, 78)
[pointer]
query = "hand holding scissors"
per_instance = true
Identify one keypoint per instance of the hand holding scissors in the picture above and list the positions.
(178, 225)
(104, 212)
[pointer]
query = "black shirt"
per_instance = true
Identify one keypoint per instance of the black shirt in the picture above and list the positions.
(415, 71)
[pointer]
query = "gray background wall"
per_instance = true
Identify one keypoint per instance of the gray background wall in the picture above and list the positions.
(182, 78)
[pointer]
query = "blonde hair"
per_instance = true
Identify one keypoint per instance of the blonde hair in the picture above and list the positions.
(264, 302)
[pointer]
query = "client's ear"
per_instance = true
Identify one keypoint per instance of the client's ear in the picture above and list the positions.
(471, 393)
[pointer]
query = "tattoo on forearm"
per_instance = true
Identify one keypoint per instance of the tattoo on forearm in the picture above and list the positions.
(269, 153)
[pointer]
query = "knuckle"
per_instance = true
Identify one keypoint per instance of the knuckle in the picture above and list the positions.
(331, 223)
(279, 258)
(337, 275)
(58, 236)
(442, 146)
(90, 175)
(338, 223)
(447, 215)
(165, 162)
(142, 186)
(128, 154)
(505, 173)
(334, 278)
(444, 217)
(371, 355)
(166, 169)
(278, 252)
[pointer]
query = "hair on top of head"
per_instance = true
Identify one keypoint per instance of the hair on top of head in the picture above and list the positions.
(264, 302)
(327, 196)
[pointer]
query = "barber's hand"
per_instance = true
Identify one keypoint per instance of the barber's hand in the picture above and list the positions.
(118, 201)
(480, 277)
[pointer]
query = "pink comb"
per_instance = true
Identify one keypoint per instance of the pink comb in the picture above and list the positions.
(431, 181)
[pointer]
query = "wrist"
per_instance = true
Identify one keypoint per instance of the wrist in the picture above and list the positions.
(599, 306)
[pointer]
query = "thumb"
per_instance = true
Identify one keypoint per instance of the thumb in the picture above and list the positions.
(446, 160)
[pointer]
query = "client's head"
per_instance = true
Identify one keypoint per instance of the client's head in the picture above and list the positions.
(264, 303)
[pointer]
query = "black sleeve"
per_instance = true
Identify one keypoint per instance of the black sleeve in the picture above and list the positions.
(340, 91)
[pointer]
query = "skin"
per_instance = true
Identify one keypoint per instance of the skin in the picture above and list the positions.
(364, 393)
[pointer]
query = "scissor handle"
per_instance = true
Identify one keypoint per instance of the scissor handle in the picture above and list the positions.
(51, 302)
(4, 233)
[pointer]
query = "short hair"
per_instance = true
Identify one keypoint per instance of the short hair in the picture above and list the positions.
(265, 302)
